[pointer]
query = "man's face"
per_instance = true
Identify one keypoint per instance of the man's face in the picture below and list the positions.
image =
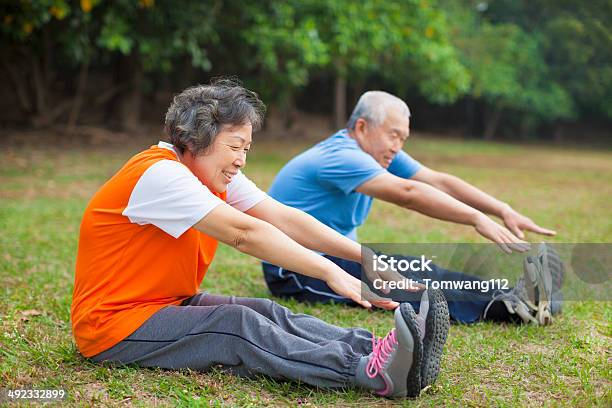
(216, 167)
(384, 141)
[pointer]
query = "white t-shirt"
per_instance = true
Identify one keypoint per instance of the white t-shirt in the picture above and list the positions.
(169, 196)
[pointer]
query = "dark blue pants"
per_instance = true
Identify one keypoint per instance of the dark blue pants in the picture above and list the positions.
(464, 306)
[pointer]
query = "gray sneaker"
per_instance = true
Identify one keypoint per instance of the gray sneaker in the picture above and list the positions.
(537, 295)
(397, 356)
(434, 322)
(552, 265)
(544, 276)
(517, 301)
(538, 284)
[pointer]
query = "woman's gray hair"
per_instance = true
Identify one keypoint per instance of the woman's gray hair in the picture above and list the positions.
(373, 107)
(198, 114)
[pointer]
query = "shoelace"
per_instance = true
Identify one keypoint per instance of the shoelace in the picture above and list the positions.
(514, 296)
(381, 350)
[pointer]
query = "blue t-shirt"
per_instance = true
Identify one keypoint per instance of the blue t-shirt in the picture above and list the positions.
(322, 181)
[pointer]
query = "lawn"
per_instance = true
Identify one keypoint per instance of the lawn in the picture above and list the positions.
(43, 192)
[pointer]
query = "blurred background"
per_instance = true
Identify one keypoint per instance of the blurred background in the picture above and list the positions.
(514, 70)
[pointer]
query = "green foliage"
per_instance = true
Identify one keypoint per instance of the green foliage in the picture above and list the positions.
(509, 72)
(286, 44)
(405, 42)
(20, 21)
(546, 61)
(577, 44)
(574, 42)
(158, 32)
(505, 65)
(27, 23)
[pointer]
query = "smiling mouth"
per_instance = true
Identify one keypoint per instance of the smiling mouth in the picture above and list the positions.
(228, 175)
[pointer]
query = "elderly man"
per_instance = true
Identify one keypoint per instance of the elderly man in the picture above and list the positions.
(336, 181)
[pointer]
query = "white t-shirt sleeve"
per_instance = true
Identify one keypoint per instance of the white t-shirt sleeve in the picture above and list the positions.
(243, 194)
(170, 197)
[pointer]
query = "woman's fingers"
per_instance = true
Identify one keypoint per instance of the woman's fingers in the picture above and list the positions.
(378, 301)
(348, 286)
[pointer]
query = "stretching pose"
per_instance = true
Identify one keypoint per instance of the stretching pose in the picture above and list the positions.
(336, 181)
(149, 234)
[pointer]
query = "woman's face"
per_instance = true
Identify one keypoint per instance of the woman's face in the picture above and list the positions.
(216, 167)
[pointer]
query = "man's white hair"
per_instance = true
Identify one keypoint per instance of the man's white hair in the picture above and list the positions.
(373, 106)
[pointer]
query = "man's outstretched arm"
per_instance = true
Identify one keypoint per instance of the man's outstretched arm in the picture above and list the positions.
(476, 198)
(432, 202)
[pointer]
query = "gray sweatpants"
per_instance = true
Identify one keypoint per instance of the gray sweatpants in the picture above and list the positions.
(246, 336)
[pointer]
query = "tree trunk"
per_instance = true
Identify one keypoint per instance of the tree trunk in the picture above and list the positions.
(288, 112)
(357, 90)
(559, 132)
(525, 128)
(470, 129)
(40, 88)
(20, 86)
(47, 58)
(78, 97)
(340, 102)
(188, 74)
(492, 123)
(128, 104)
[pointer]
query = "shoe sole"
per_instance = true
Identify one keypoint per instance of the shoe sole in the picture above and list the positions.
(541, 282)
(551, 261)
(437, 325)
(544, 283)
(413, 381)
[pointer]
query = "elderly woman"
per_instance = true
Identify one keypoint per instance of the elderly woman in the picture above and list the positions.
(149, 234)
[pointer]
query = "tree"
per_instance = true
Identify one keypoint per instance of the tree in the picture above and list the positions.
(508, 69)
(152, 36)
(553, 58)
(33, 41)
(285, 47)
(134, 36)
(406, 42)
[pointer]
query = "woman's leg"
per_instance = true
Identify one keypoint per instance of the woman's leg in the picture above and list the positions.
(240, 339)
(301, 325)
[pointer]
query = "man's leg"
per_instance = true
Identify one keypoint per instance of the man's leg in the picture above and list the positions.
(289, 284)
(464, 306)
(238, 338)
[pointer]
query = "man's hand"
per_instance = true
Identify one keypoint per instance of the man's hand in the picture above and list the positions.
(348, 286)
(517, 223)
(500, 235)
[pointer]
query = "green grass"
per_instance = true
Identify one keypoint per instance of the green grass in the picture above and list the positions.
(44, 191)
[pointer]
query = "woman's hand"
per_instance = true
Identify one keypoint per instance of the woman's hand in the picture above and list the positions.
(350, 287)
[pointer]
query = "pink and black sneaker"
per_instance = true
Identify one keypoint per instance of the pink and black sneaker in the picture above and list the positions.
(396, 358)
